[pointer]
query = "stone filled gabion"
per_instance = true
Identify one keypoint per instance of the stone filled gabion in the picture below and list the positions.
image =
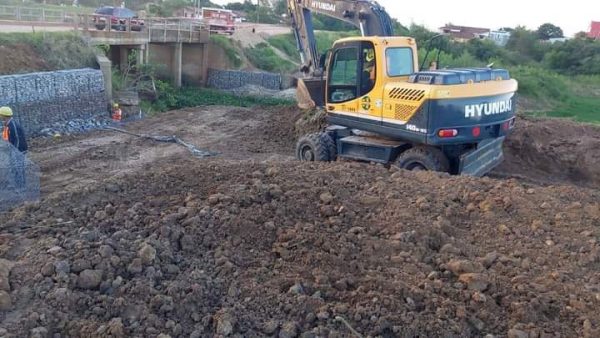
(51, 100)
(230, 79)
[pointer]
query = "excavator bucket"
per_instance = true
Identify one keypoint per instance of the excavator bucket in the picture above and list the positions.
(310, 92)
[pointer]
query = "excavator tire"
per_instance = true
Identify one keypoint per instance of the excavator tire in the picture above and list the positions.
(316, 147)
(423, 158)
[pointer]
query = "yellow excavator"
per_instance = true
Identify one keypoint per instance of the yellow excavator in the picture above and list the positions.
(382, 107)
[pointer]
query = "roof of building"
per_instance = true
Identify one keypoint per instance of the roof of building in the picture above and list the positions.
(594, 30)
(464, 32)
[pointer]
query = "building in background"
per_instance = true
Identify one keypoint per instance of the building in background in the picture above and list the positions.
(464, 33)
(500, 37)
(594, 32)
(188, 12)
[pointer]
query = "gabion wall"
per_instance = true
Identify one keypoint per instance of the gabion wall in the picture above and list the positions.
(44, 99)
(231, 79)
(19, 177)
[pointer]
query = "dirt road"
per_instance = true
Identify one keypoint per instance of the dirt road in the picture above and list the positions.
(135, 238)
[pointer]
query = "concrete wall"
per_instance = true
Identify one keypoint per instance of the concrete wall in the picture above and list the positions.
(193, 65)
(40, 100)
(162, 55)
(230, 79)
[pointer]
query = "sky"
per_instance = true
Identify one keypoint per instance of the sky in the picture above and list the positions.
(572, 16)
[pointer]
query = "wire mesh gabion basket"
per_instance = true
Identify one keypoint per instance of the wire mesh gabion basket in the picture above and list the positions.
(19, 178)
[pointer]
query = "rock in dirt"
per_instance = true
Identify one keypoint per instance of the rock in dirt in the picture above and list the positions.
(5, 268)
(147, 254)
(474, 281)
(89, 279)
(515, 333)
(459, 267)
(288, 330)
(5, 301)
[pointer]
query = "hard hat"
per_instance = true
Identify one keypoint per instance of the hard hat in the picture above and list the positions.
(116, 105)
(369, 55)
(6, 111)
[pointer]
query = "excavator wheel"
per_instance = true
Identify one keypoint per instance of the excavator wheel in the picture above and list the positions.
(423, 158)
(316, 147)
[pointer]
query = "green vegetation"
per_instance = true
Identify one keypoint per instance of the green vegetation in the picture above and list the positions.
(228, 46)
(287, 42)
(59, 50)
(170, 98)
(264, 57)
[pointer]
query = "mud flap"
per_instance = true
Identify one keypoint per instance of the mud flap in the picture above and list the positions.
(482, 160)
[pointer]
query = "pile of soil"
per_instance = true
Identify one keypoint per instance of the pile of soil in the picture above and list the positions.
(553, 151)
(240, 248)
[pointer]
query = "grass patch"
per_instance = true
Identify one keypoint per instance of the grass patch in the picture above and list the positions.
(170, 98)
(285, 43)
(576, 97)
(60, 50)
(231, 51)
(577, 108)
(264, 57)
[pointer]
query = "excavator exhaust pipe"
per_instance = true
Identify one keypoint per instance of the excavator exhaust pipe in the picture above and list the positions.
(310, 93)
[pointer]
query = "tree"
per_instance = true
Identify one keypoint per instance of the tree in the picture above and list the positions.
(527, 44)
(549, 31)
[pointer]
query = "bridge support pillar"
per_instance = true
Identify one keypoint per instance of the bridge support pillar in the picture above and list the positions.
(177, 64)
(123, 58)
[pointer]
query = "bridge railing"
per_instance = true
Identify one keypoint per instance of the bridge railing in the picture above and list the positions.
(155, 29)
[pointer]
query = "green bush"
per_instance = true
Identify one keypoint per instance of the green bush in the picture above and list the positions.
(230, 50)
(264, 57)
(538, 83)
(170, 98)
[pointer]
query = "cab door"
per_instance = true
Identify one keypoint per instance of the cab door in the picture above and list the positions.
(370, 90)
(343, 80)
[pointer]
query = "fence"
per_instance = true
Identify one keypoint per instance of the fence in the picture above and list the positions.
(231, 79)
(16, 13)
(49, 99)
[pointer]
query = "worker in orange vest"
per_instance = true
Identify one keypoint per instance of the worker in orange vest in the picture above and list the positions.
(117, 114)
(11, 130)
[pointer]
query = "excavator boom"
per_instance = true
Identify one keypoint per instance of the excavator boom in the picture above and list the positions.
(367, 15)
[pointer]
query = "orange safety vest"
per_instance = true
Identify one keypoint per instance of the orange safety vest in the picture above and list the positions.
(117, 115)
(5, 132)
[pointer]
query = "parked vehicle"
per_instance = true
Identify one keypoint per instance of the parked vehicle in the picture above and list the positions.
(219, 20)
(118, 18)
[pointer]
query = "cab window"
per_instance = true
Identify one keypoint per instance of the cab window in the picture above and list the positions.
(343, 79)
(399, 61)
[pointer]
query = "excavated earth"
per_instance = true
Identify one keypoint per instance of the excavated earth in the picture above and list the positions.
(136, 238)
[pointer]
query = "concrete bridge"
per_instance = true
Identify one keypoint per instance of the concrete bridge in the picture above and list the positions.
(181, 45)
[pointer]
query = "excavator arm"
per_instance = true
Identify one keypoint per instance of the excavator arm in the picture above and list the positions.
(367, 15)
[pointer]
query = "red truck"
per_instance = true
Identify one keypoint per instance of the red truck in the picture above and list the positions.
(219, 20)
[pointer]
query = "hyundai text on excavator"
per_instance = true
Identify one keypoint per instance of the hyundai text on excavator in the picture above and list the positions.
(382, 108)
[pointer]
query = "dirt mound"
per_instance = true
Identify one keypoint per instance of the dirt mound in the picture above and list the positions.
(20, 58)
(554, 150)
(208, 248)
